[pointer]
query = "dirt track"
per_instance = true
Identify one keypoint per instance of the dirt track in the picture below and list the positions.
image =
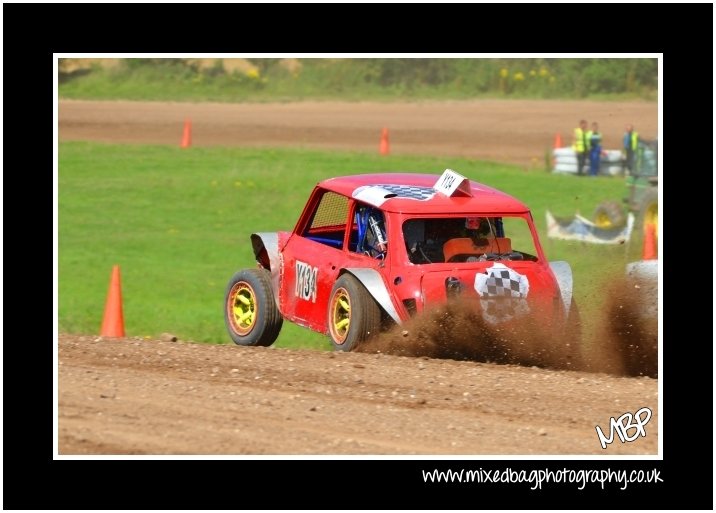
(154, 397)
(517, 131)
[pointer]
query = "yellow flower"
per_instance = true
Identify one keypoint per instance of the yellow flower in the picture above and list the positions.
(253, 73)
(504, 73)
(533, 73)
(519, 76)
(543, 72)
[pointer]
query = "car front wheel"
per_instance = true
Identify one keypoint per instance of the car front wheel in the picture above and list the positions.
(353, 314)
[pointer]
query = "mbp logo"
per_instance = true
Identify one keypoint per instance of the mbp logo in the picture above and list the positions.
(623, 424)
(306, 278)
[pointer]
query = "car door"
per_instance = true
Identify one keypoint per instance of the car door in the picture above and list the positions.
(311, 260)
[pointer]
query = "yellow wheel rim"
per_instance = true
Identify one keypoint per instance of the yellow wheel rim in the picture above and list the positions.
(340, 321)
(651, 216)
(242, 308)
(602, 220)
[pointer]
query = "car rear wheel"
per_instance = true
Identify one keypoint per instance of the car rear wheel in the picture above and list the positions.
(353, 314)
(250, 312)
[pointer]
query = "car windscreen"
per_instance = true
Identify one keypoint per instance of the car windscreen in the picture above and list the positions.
(468, 239)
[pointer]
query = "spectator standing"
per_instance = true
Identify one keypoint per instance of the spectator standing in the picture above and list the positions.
(630, 143)
(595, 149)
(581, 145)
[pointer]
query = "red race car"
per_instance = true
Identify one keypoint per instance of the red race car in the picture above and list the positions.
(379, 247)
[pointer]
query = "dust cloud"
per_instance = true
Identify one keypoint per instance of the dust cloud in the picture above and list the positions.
(622, 340)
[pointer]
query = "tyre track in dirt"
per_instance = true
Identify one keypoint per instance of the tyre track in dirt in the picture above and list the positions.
(134, 396)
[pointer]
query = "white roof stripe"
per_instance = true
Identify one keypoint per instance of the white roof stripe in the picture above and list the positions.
(376, 195)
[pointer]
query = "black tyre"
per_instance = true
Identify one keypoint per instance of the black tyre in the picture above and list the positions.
(353, 314)
(649, 209)
(609, 214)
(250, 310)
(647, 212)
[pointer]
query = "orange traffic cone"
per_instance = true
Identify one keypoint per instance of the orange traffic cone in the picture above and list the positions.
(649, 252)
(557, 140)
(186, 136)
(384, 144)
(113, 322)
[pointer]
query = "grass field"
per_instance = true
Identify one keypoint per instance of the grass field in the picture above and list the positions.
(178, 223)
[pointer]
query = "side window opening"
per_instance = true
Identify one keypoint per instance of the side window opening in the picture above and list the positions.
(369, 234)
(328, 224)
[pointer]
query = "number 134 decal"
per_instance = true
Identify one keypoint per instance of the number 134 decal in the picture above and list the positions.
(306, 281)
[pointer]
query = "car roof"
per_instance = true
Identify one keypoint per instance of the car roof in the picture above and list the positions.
(413, 193)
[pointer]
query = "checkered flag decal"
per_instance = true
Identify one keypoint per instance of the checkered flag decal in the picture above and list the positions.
(503, 293)
(409, 191)
(500, 283)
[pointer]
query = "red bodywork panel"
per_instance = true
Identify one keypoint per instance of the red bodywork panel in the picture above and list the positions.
(309, 269)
